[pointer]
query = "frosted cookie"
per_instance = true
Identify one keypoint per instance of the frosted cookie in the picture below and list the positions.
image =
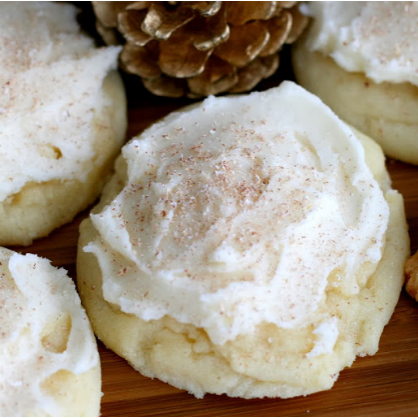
(62, 118)
(248, 245)
(49, 364)
(361, 58)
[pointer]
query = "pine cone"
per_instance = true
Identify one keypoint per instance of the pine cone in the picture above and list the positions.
(198, 48)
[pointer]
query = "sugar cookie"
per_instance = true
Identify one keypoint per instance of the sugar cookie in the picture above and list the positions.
(62, 118)
(247, 245)
(49, 363)
(361, 59)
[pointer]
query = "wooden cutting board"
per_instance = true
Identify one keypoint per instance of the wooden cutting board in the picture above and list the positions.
(383, 385)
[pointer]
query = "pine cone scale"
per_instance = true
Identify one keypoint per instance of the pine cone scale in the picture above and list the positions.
(166, 86)
(218, 76)
(161, 23)
(130, 25)
(299, 23)
(279, 28)
(244, 44)
(206, 8)
(252, 74)
(241, 12)
(207, 33)
(138, 60)
(189, 63)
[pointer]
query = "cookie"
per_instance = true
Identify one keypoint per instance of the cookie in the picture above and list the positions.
(49, 363)
(247, 245)
(62, 118)
(360, 59)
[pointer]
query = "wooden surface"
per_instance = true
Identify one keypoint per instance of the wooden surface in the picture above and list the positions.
(383, 385)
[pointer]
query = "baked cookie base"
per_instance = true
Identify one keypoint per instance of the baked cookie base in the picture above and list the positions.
(78, 395)
(272, 362)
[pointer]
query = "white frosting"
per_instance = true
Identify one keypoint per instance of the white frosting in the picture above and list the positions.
(50, 85)
(32, 293)
(327, 334)
(377, 38)
(237, 211)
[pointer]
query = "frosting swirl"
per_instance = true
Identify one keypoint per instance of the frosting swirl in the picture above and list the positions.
(237, 212)
(379, 38)
(51, 83)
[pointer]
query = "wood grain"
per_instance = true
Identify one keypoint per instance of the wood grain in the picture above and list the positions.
(383, 385)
